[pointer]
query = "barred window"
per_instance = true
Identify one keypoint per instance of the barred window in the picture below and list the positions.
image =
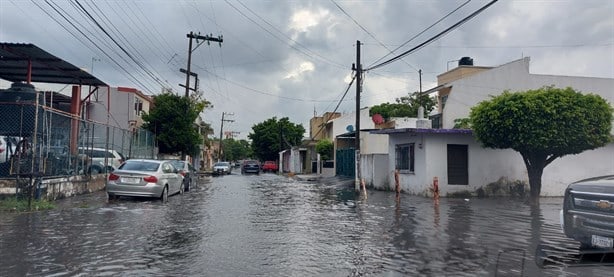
(404, 160)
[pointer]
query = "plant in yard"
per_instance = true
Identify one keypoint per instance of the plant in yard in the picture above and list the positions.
(542, 125)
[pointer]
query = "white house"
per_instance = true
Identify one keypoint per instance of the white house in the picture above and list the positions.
(459, 162)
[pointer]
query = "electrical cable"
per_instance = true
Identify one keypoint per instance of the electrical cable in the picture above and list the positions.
(422, 32)
(338, 104)
(428, 41)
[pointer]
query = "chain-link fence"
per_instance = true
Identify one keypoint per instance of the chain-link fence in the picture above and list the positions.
(36, 140)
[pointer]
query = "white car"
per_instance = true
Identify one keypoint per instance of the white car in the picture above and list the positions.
(222, 168)
(8, 146)
(114, 158)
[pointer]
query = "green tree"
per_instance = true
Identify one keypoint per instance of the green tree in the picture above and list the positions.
(171, 119)
(236, 149)
(406, 106)
(543, 125)
(272, 135)
(325, 149)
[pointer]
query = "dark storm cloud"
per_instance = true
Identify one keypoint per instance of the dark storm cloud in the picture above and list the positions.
(259, 72)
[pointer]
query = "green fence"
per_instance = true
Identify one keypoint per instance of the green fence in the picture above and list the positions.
(345, 162)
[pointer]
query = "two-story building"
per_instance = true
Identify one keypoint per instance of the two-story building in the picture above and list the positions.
(460, 164)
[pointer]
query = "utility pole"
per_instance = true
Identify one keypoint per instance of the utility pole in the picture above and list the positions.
(204, 39)
(219, 150)
(358, 68)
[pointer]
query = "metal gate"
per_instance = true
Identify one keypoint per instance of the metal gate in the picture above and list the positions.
(345, 162)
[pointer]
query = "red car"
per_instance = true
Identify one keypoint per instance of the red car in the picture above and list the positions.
(270, 166)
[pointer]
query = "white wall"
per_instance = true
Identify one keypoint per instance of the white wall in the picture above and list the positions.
(374, 169)
(513, 76)
(340, 123)
(373, 143)
(487, 165)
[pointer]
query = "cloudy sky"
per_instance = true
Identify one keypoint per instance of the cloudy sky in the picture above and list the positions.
(294, 58)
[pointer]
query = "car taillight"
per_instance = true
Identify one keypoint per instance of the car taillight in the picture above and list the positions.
(182, 173)
(113, 177)
(150, 179)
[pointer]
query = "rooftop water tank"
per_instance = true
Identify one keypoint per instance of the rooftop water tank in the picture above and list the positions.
(465, 61)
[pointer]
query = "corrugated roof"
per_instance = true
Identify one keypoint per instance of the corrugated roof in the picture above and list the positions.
(46, 68)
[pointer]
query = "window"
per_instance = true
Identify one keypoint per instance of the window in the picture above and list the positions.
(405, 157)
(458, 169)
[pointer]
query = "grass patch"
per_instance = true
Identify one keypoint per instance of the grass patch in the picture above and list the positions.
(14, 204)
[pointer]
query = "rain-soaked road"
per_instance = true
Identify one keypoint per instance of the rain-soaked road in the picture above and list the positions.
(269, 225)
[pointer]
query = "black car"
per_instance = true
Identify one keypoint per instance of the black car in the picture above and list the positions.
(250, 166)
(187, 171)
(588, 212)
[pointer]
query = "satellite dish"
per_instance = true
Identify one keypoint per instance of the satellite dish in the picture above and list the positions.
(349, 128)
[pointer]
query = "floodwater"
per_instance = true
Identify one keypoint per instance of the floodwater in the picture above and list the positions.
(270, 225)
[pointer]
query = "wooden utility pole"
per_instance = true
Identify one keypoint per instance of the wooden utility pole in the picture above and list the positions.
(358, 68)
(204, 39)
(219, 150)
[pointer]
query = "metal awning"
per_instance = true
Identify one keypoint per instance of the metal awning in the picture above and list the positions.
(17, 59)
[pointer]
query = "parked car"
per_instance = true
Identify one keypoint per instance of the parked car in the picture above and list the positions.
(588, 212)
(187, 171)
(250, 166)
(97, 155)
(222, 168)
(269, 166)
(145, 178)
(8, 147)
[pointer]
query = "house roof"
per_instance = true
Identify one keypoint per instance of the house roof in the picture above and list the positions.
(422, 131)
(45, 67)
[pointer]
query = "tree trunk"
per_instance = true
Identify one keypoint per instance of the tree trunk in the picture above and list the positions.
(535, 164)
(535, 181)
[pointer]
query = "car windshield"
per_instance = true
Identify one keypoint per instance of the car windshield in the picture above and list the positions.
(140, 166)
(178, 164)
(222, 164)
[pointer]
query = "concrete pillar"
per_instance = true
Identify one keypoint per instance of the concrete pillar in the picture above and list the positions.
(75, 110)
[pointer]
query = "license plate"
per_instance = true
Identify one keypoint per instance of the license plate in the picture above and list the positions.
(131, 180)
(603, 242)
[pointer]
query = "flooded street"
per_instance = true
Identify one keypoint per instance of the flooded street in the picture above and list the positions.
(269, 225)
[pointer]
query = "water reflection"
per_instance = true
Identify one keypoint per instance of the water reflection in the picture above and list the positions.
(272, 226)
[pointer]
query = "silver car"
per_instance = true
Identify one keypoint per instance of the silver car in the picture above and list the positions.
(222, 168)
(145, 178)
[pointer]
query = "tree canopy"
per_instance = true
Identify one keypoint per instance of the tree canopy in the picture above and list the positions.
(543, 125)
(172, 120)
(325, 149)
(272, 135)
(235, 150)
(406, 106)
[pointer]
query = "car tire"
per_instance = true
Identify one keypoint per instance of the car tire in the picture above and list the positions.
(164, 195)
(111, 197)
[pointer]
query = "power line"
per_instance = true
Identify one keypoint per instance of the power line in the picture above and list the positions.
(280, 39)
(120, 46)
(134, 79)
(456, 25)
(369, 33)
(422, 32)
(338, 104)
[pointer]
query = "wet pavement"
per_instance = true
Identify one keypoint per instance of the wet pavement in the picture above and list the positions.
(270, 225)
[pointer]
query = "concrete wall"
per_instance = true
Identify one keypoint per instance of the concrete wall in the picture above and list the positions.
(490, 170)
(340, 124)
(513, 76)
(58, 188)
(375, 171)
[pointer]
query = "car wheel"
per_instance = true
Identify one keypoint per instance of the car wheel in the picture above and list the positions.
(111, 197)
(164, 196)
